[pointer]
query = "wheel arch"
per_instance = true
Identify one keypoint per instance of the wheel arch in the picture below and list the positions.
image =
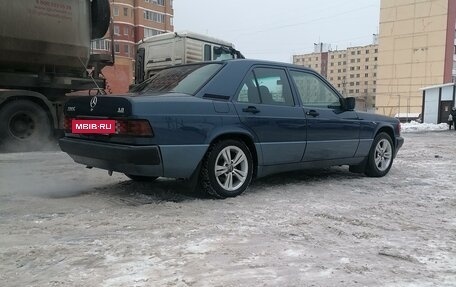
(244, 137)
(389, 131)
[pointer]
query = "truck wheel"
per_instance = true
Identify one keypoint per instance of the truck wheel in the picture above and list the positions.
(227, 169)
(24, 126)
(380, 158)
(141, 178)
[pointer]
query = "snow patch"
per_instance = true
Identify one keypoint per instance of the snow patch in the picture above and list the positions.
(422, 127)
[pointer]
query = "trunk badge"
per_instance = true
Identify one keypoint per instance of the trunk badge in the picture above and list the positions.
(93, 103)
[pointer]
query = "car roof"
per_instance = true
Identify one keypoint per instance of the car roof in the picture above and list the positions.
(265, 62)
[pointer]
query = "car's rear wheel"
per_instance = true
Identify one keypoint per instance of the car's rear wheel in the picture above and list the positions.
(141, 178)
(227, 169)
(381, 156)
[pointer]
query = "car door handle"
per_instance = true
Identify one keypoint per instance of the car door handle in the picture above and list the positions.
(313, 113)
(251, 109)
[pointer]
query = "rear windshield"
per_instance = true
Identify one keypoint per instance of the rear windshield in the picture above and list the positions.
(181, 79)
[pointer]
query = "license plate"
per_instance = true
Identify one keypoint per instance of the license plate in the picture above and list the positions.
(93, 127)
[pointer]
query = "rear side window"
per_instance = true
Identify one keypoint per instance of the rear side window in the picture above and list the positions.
(266, 86)
(314, 92)
(183, 79)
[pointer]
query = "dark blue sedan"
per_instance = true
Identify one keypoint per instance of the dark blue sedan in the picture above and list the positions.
(226, 123)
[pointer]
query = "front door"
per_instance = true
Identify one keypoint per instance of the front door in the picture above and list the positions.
(332, 132)
(265, 104)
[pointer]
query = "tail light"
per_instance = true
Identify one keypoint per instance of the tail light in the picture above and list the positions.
(67, 124)
(134, 128)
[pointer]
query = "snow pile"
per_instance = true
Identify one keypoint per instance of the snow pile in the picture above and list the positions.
(422, 127)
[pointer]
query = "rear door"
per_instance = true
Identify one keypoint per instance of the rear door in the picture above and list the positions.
(332, 132)
(265, 104)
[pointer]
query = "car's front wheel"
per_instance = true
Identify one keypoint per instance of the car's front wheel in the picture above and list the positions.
(227, 169)
(381, 156)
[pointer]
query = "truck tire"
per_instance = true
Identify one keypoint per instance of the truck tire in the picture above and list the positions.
(24, 126)
(101, 18)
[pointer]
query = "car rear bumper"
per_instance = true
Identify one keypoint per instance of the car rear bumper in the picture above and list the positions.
(136, 160)
(176, 161)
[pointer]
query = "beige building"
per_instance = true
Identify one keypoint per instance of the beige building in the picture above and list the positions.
(133, 20)
(352, 72)
(416, 49)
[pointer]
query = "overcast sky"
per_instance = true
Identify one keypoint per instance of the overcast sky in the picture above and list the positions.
(275, 30)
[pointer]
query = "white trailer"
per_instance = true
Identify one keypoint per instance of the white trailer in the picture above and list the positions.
(176, 48)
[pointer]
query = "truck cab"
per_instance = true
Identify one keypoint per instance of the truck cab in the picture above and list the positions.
(177, 48)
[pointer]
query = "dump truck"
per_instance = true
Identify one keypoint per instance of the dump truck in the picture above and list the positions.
(175, 48)
(45, 53)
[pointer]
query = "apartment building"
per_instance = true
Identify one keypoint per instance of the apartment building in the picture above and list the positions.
(416, 50)
(133, 20)
(353, 72)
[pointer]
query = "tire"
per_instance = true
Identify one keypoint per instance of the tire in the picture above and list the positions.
(141, 178)
(381, 156)
(232, 178)
(24, 126)
(101, 18)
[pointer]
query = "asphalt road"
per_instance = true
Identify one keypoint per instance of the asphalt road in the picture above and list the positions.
(64, 225)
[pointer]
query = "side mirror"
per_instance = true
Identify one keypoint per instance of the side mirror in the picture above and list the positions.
(350, 103)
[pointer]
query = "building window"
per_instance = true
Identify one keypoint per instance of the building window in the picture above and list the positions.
(353, 53)
(367, 59)
(125, 10)
(332, 56)
(366, 83)
(127, 50)
(367, 51)
(359, 53)
(126, 31)
(116, 48)
(115, 11)
(365, 91)
(345, 71)
(352, 84)
(101, 44)
(357, 83)
(358, 60)
(366, 75)
(352, 68)
(357, 91)
(376, 51)
(357, 75)
(374, 90)
(152, 32)
(350, 91)
(158, 2)
(338, 71)
(332, 64)
(352, 76)
(366, 67)
(375, 59)
(153, 16)
(352, 60)
(116, 30)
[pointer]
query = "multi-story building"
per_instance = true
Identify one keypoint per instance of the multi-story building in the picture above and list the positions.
(352, 71)
(133, 20)
(416, 49)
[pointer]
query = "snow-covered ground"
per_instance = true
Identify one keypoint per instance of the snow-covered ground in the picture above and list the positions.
(423, 127)
(64, 225)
